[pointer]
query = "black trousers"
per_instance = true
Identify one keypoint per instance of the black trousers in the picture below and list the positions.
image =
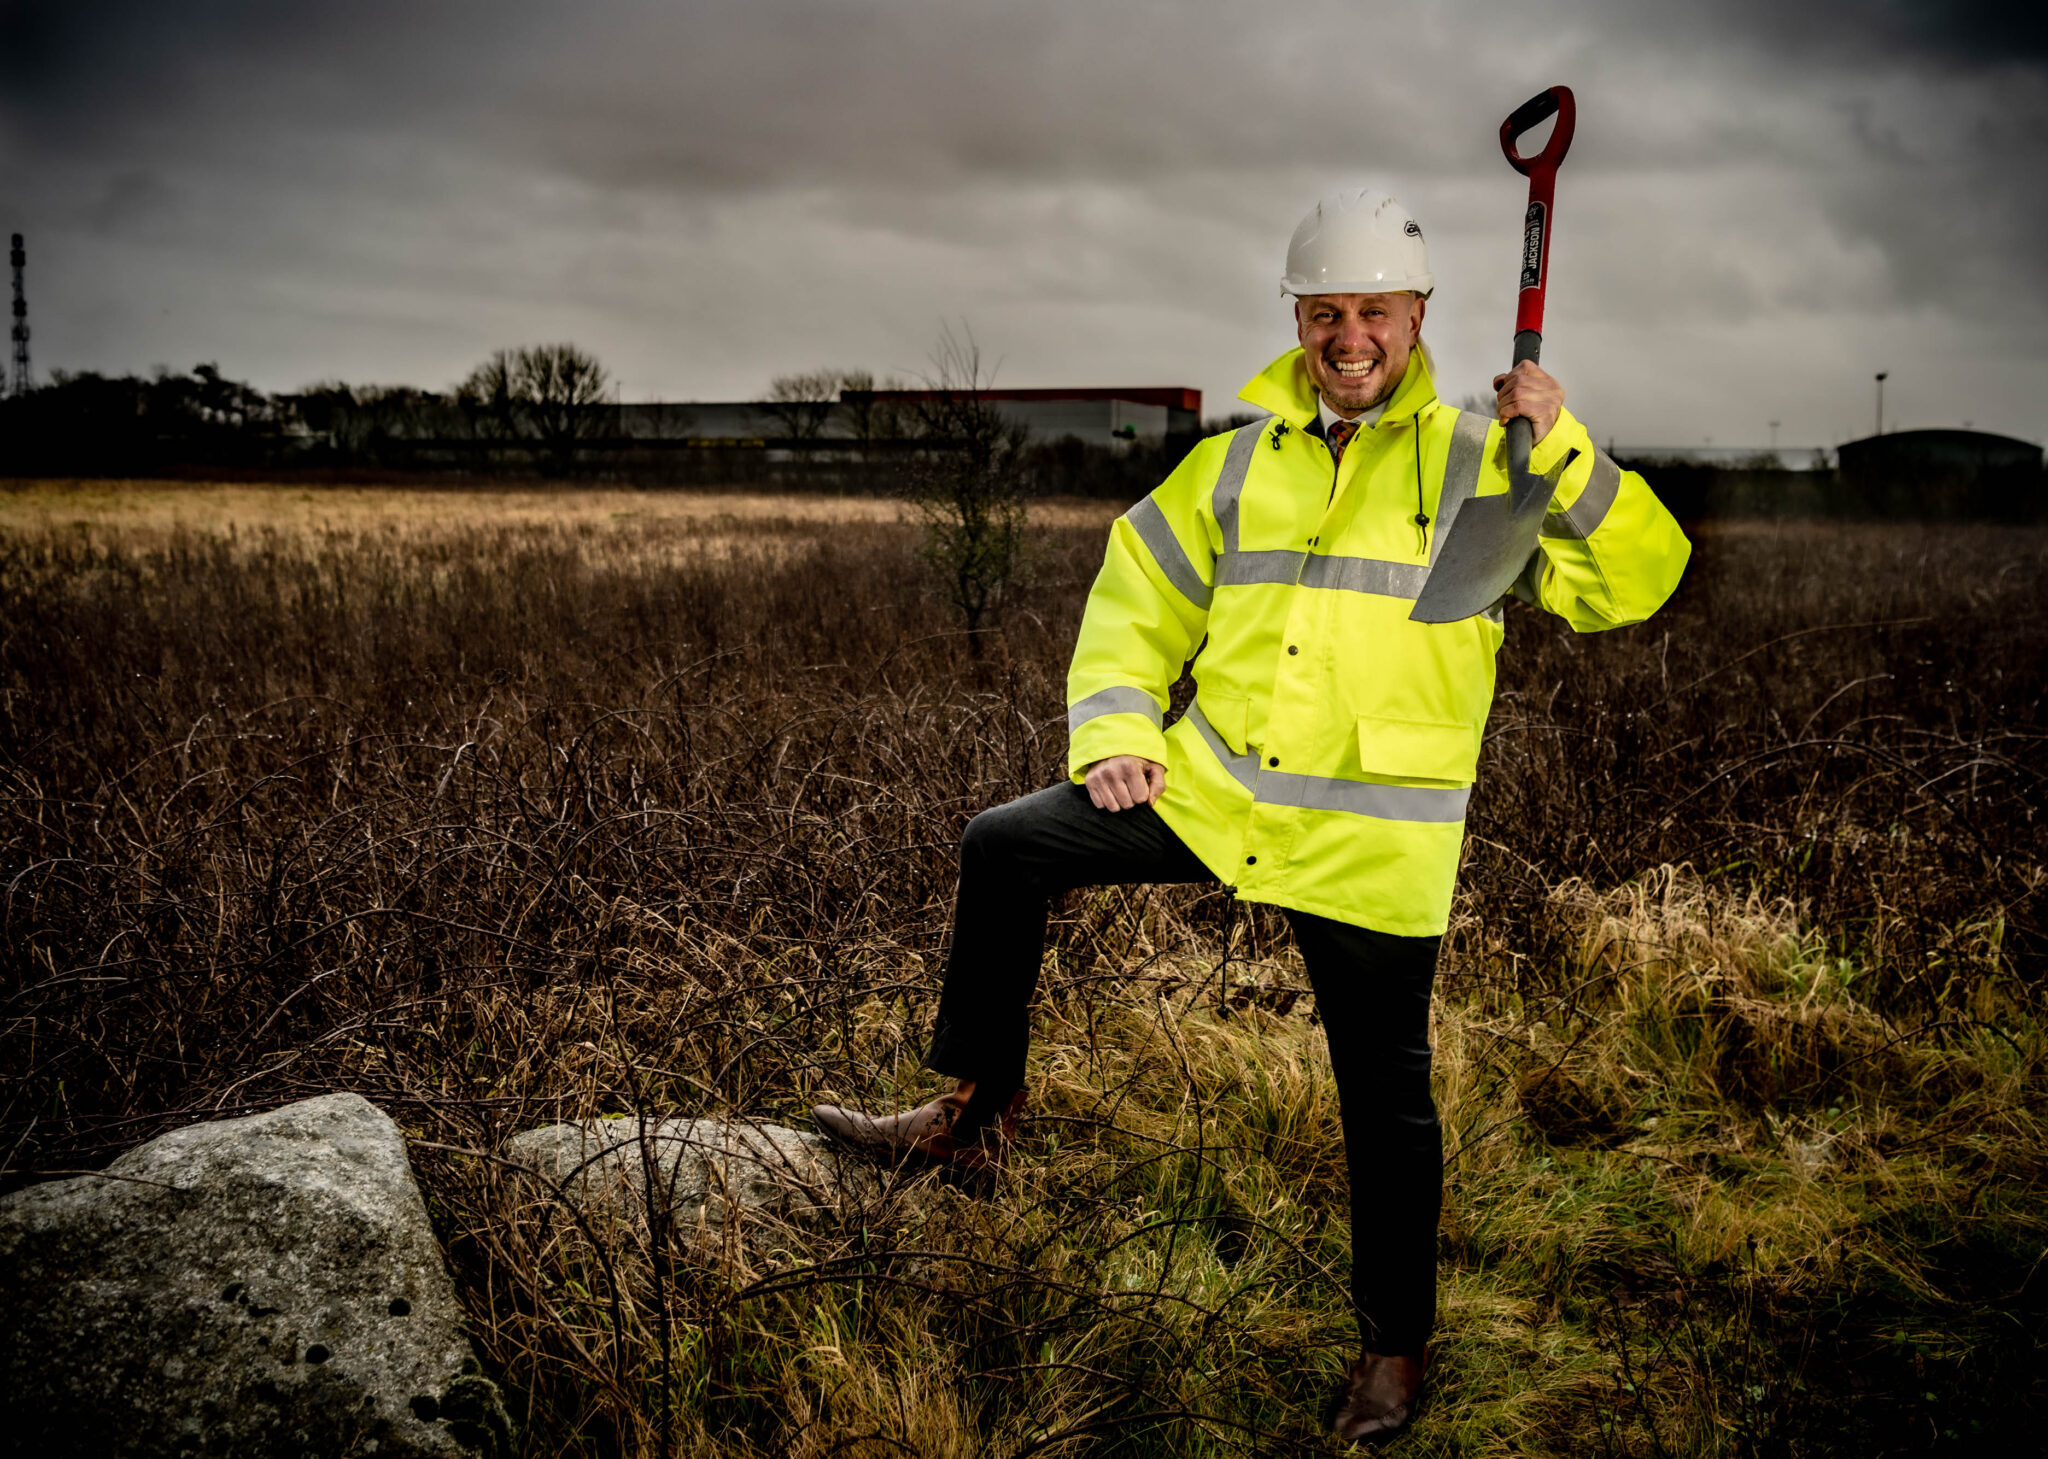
(1372, 989)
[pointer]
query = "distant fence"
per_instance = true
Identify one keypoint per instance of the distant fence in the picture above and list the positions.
(1066, 467)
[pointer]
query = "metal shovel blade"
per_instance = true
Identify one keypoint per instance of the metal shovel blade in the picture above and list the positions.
(1489, 543)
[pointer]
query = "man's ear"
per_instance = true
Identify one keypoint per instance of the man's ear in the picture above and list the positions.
(1415, 320)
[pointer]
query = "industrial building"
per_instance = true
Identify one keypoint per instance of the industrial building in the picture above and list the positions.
(1933, 454)
(1942, 474)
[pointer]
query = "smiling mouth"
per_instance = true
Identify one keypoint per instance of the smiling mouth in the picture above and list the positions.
(1352, 372)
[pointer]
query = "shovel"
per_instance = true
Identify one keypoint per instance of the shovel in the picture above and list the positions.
(1491, 538)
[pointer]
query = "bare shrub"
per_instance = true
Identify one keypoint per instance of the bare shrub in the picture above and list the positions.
(968, 484)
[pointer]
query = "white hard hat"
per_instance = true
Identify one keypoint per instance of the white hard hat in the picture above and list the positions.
(1361, 242)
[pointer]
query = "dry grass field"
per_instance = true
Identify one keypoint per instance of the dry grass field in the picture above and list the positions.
(506, 807)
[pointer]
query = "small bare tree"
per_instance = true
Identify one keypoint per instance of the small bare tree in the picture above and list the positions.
(801, 404)
(870, 415)
(968, 482)
(550, 398)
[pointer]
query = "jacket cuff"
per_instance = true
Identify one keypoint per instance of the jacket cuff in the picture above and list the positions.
(1566, 436)
(1108, 735)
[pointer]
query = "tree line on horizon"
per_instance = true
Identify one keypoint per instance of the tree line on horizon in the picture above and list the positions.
(546, 410)
(543, 399)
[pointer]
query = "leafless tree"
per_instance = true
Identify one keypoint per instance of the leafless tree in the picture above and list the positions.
(869, 418)
(550, 398)
(374, 422)
(801, 404)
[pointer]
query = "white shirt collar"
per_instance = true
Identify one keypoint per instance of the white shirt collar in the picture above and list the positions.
(1365, 422)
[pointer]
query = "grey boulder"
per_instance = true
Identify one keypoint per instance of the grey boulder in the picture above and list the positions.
(261, 1286)
(704, 1172)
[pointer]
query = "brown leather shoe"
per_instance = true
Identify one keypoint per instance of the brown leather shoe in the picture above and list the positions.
(923, 1136)
(1381, 1393)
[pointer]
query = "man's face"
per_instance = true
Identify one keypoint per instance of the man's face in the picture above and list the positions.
(1357, 345)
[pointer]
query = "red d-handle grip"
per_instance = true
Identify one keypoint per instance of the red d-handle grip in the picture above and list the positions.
(1558, 100)
(1541, 170)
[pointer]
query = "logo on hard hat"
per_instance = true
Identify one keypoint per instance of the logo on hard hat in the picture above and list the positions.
(1412, 228)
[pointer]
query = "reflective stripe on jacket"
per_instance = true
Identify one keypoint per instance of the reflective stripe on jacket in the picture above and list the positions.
(1331, 749)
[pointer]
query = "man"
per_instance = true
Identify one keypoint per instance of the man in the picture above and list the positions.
(1327, 759)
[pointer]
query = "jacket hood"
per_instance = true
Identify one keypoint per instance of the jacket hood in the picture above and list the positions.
(1285, 389)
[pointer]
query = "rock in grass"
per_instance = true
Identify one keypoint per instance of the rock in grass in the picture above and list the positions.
(700, 1170)
(261, 1286)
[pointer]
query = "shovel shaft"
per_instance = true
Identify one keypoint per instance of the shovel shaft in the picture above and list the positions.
(1535, 254)
(1541, 170)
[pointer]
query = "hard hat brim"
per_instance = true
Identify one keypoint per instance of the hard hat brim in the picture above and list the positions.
(1422, 285)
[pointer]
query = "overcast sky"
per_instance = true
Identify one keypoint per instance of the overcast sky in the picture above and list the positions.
(1767, 201)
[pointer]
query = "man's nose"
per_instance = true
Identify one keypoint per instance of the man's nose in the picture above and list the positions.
(1353, 338)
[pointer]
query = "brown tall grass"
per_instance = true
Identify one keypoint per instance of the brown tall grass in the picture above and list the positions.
(510, 814)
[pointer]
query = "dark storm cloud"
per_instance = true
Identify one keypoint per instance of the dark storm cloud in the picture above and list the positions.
(710, 193)
(743, 96)
(1975, 33)
(757, 94)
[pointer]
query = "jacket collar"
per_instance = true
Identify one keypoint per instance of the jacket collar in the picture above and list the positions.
(1284, 388)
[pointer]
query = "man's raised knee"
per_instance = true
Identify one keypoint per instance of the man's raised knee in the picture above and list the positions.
(1005, 835)
(990, 836)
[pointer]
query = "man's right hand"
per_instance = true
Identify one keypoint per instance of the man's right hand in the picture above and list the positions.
(1123, 781)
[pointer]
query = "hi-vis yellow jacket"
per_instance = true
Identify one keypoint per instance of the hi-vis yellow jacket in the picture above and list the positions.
(1331, 748)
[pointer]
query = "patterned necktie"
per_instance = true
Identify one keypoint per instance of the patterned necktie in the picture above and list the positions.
(1339, 435)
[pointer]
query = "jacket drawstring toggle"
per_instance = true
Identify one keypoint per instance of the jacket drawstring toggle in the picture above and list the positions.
(1421, 514)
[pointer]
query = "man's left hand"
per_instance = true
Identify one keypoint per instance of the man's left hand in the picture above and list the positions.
(1527, 390)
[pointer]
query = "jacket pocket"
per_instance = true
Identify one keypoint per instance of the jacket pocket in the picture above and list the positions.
(1418, 749)
(1228, 714)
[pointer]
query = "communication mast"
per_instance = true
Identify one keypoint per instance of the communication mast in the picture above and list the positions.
(19, 258)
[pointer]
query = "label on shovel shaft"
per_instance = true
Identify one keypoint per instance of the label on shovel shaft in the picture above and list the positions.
(1532, 248)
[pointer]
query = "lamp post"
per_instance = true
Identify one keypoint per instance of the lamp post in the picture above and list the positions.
(1774, 435)
(1880, 400)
